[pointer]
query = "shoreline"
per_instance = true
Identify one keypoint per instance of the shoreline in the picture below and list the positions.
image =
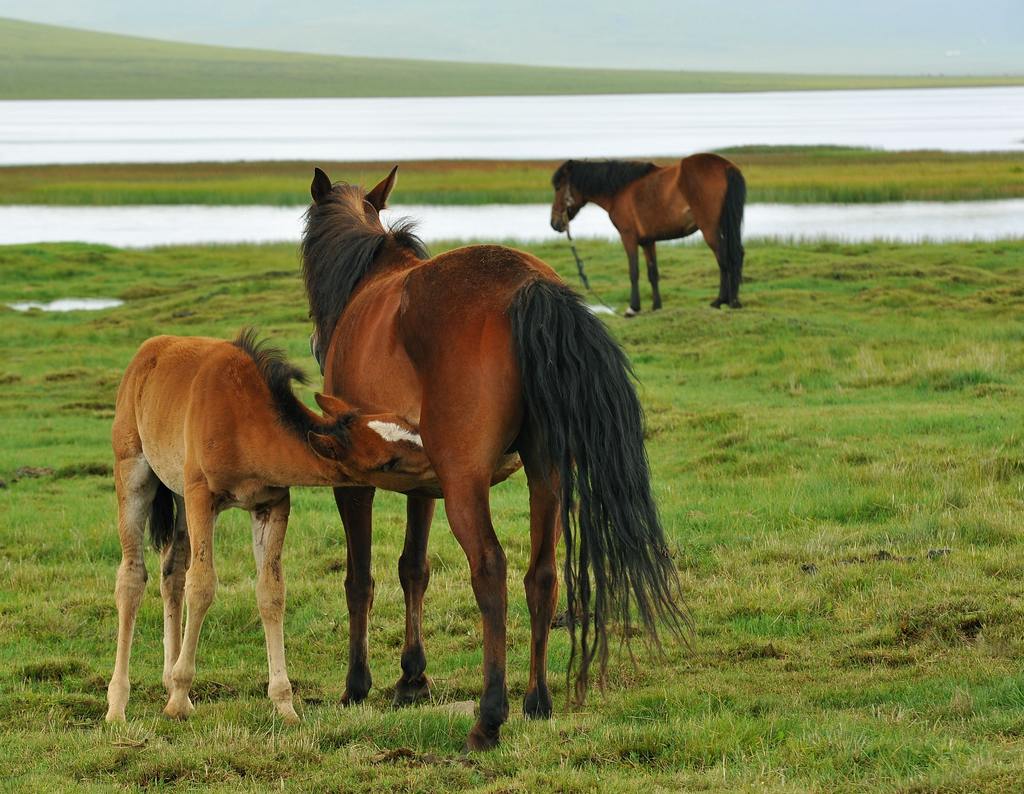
(775, 175)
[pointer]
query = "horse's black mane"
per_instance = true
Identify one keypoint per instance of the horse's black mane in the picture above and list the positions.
(600, 177)
(278, 373)
(338, 248)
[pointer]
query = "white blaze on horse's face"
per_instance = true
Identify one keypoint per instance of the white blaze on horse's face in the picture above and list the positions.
(391, 432)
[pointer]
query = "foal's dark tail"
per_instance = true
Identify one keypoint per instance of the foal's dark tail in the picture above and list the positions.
(161, 517)
(730, 243)
(580, 399)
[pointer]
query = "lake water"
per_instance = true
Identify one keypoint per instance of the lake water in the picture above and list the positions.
(96, 131)
(145, 226)
(68, 305)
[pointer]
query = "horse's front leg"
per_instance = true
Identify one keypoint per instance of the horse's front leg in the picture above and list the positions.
(356, 508)
(630, 244)
(268, 530)
(652, 274)
(200, 586)
(414, 573)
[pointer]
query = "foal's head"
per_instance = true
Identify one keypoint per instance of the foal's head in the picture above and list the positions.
(380, 449)
(568, 201)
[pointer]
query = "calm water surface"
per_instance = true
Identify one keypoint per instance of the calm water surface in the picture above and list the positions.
(68, 305)
(97, 131)
(145, 226)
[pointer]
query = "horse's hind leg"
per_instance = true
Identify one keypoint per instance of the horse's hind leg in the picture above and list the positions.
(173, 564)
(136, 486)
(469, 514)
(724, 277)
(630, 244)
(541, 581)
(652, 274)
(414, 572)
(200, 586)
(268, 531)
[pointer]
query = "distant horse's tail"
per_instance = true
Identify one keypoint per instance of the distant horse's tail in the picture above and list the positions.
(161, 517)
(730, 242)
(580, 400)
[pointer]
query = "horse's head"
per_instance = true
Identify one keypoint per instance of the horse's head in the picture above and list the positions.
(568, 200)
(376, 449)
(342, 236)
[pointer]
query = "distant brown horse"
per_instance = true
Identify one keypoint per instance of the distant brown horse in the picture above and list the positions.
(493, 355)
(647, 203)
(202, 425)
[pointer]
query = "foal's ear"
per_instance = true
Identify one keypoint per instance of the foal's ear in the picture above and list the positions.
(321, 186)
(378, 197)
(326, 446)
(332, 406)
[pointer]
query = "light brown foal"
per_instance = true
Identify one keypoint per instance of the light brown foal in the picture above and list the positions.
(202, 425)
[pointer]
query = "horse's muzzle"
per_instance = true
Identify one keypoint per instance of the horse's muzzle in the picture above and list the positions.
(557, 223)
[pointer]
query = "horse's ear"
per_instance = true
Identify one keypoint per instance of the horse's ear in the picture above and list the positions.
(378, 197)
(332, 406)
(326, 446)
(321, 186)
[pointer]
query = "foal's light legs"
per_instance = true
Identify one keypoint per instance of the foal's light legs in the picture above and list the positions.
(268, 531)
(173, 564)
(136, 487)
(200, 586)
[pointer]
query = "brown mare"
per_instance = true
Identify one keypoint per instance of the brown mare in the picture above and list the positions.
(202, 425)
(493, 356)
(648, 203)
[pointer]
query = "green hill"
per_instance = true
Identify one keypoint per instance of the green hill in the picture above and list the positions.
(48, 62)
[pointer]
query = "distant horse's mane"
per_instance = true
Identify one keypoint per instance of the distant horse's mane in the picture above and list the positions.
(339, 244)
(278, 373)
(600, 177)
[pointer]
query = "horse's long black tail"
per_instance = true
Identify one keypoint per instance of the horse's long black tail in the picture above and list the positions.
(161, 517)
(730, 242)
(580, 399)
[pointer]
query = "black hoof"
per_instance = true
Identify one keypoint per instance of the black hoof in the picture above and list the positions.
(353, 698)
(357, 686)
(537, 705)
(480, 739)
(717, 303)
(735, 305)
(409, 693)
(355, 694)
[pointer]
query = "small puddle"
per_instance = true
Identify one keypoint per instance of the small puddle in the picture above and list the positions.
(68, 305)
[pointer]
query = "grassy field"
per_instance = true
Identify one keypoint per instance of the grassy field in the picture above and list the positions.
(786, 174)
(48, 62)
(840, 464)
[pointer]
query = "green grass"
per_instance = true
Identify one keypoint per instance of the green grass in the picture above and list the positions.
(48, 62)
(840, 464)
(786, 174)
